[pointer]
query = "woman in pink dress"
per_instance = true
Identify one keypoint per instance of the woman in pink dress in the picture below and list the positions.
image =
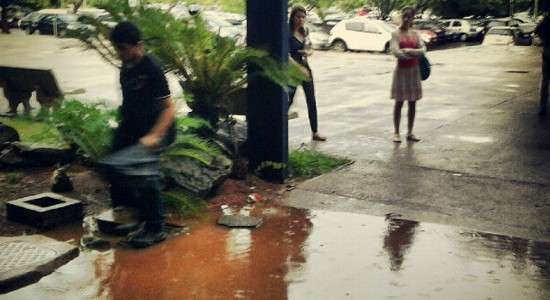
(407, 46)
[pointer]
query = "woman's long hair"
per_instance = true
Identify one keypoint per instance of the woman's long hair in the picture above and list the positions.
(293, 12)
(407, 11)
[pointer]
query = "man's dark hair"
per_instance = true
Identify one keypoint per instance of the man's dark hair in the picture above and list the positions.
(125, 33)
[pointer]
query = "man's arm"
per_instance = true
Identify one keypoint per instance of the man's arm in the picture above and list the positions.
(163, 123)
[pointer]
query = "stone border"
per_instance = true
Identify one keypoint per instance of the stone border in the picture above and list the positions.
(20, 210)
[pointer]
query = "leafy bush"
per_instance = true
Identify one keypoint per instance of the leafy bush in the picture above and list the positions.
(309, 163)
(83, 126)
(32, 131)
(182, 202)
(212, 69)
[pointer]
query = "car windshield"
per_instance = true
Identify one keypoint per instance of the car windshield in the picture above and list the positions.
(506, 32)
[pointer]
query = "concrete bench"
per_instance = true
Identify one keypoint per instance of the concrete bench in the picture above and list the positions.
(19, 83)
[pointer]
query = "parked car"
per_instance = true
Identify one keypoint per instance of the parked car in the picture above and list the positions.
(526, 27)
(499, 35)
(15, 13)
(363, 34)
(318, 37)
(428, 37)
(438, 29)
(30, 21)
(56, 24)
(225, 29)
(463, 28)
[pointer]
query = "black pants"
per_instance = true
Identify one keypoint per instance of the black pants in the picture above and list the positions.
(141, 192)
(545, 82)
(309, 90)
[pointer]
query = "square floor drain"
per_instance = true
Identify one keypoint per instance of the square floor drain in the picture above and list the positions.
(44, 210)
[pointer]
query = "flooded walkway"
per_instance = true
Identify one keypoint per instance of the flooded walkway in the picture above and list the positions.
(303, 254)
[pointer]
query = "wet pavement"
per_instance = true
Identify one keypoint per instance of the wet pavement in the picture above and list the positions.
(307, 254)
(482, 164)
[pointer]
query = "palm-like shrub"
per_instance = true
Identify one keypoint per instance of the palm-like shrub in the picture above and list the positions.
(212, 69)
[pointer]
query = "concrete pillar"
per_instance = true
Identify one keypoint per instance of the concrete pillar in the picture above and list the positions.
(267, 103)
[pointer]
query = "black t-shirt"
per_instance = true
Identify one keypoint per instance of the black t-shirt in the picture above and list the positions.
(295, 46)
(144, 92)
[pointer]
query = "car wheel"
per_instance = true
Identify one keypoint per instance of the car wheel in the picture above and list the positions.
(463, 37)
(339, 46)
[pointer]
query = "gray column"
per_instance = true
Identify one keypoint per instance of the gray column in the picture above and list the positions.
(267, 103)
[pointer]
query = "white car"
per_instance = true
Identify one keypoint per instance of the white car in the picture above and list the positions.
(319, 39)
(499, 35)
(462, 28)
(361, 34)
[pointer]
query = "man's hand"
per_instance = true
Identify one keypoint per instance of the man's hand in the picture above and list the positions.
(150, 141)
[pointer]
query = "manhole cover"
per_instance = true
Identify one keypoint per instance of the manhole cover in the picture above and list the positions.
(17, 254)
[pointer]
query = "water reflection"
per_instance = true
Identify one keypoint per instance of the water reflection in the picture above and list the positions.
(398, 239)
(239, 241)
(298, 254)
(214, 262)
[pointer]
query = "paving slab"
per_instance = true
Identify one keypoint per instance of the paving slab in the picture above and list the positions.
(26, 259)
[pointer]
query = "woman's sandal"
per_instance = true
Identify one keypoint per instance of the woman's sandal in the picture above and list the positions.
(412, 138)
(317, 137)
(396, 138)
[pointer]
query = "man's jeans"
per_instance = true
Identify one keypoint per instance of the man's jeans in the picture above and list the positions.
(134, 174)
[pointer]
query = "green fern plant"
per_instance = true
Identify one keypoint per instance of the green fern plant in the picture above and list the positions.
(84, 126)
(212, 69)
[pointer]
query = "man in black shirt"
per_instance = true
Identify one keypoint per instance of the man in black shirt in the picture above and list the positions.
(543, 31)
(147, 120)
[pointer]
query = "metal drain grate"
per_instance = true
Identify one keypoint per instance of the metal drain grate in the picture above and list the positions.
(17, 254)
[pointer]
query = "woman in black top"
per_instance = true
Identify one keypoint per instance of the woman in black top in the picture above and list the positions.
(299, 51)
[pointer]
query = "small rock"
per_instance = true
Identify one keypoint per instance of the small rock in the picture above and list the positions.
(61, 183)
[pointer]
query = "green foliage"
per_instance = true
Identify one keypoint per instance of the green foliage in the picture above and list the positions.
(211, 68)
(13, 177)
(32, 131)
(320, 6)
(309, 163)
(182, 202)
(350, 5)
(85, 126)
(193, 125)
(194, 147)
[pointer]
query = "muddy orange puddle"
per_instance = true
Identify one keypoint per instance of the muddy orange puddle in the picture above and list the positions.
(300, 254)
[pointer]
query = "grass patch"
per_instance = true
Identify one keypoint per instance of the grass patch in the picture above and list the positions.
(310, 163)
(183, 203)
(32, 131)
